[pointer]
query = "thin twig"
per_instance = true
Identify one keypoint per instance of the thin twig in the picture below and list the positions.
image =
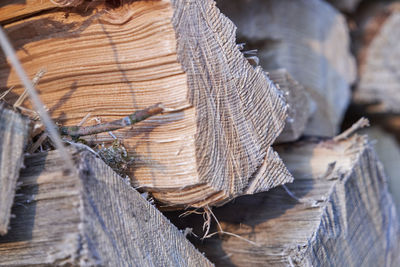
(210, 214)
(6, 92)
(83, 121)
(361, 123)
(38, 143)
(37, 103)
(290, 193)
(35, 82)
(77, 131)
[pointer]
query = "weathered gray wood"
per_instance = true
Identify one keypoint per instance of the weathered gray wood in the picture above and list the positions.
(378, 54)
(13, 138)
(340, 214)
(388, 151)
(221, 116)
(86, 218)
(303, 37)
(300, 105)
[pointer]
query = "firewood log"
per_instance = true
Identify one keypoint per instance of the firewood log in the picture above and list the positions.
(388, 151)
(378, 54)
(310, 39)
(221, 115)
(338, 212)
(88, 217)
(300, 105)
(13, 139)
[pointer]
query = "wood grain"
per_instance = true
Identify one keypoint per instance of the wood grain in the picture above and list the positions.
(222, 115)
(378, 56)
(89, 217)
(300, 105)
(14, 130)
(11, 10)
(302, 37)
(338, 213)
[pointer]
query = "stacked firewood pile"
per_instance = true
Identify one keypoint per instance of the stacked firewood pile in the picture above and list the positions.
(200, 133)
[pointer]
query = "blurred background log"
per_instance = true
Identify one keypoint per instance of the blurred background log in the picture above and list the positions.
(347, 6)
(378, 53)
(14, 130)
(89, 217)
(300, 105)
(222, 115)
(302, 37)
(337, 212)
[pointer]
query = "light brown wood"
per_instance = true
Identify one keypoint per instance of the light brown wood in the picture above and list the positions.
(338, 212)
(13, 139)
(222, 115)
(302, 37)
(379, 57)
(11, 10)
(300, 105)
(89, 217)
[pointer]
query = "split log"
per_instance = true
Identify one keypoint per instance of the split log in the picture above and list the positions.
(88, 217)
(300, 105)
(13, 139)
(302, 37)
(388, 151)
(345, 5)
(378, 54)
(222, 115)
(338, 212)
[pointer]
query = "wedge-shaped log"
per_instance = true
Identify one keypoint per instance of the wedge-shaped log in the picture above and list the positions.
(300, 105)
(89, 217)
(338, 212)
(14, 130)
(378, 52)
(310, 39)
(213, 141)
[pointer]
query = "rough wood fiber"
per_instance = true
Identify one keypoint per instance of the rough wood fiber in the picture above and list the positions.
(344, 215)
(301, 106)
(221, 115)
(388, 151)
(13, 138)
(378, 54)
(310, 39)
(90, 217)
